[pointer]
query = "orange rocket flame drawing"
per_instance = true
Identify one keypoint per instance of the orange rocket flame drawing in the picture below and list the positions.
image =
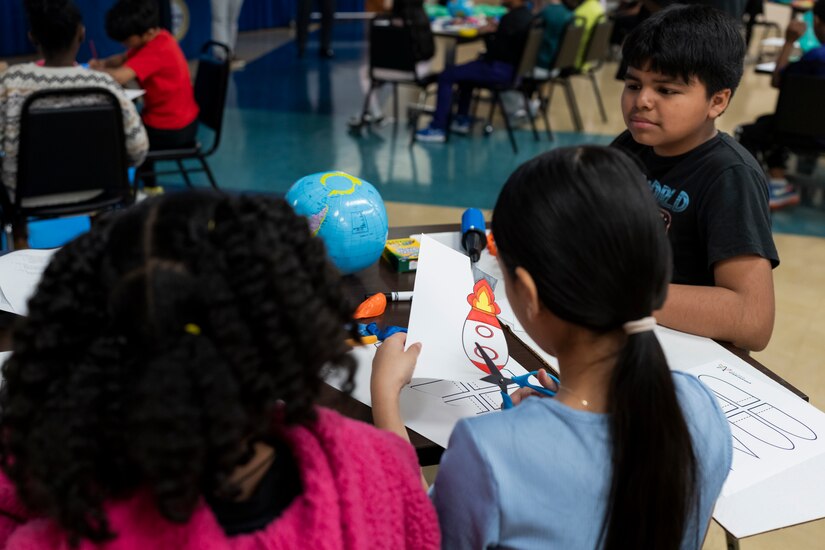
(483, 327)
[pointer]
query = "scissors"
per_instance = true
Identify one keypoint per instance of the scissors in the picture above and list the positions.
(521, 381)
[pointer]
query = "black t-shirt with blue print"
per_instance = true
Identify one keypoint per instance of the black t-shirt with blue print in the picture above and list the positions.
(714, 202)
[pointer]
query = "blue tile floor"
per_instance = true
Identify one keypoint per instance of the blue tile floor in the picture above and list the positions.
(286, 118)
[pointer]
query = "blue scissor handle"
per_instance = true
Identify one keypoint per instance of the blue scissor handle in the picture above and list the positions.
(522, 381)
(507, 403)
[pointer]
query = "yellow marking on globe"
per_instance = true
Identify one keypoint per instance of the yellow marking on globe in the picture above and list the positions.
(355, 181)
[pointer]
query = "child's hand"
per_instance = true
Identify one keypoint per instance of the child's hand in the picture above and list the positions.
(393, 367)
(97, 64)
(546, 382)
(795, 30)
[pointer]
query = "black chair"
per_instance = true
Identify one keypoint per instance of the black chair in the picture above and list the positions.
(211, 83)
(72, 157)
(595, 56)
(393, 61)
(799, 119)
(525, 68)
(563, 65)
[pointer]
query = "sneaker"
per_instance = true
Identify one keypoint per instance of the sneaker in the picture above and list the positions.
(431, 134)
(461, 125)
(782, 194)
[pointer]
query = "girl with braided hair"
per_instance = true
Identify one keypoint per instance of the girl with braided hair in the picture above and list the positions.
(161, 394)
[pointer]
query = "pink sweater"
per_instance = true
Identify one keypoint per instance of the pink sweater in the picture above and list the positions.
(362, 489)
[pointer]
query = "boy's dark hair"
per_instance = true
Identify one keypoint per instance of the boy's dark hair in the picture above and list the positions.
(131, 17)
(160, 347)
(819, 9)
(687, 41)
(53, 23)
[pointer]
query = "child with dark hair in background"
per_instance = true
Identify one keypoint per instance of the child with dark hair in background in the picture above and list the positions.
(498, 64)
(627, 454)
(761, 138)
(162, 391)
(684, 64)
(56, 28)
(155, 59)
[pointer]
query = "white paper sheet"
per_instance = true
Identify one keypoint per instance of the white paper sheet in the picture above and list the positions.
(20, 273)
(422, 412)
(450, 314)
(771, 431)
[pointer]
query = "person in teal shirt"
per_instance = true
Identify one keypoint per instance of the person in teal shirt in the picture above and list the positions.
(555, 15)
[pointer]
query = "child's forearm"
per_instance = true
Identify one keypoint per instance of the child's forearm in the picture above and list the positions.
(114, 61)
(781, 62)
(718, 313)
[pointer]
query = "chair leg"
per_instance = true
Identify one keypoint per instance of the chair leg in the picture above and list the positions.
(395, 102)
(571, 103)
(184, 173)
(598, 95)
(530, 116)
(488, 126)
(209, 174)
(367, 102)
(544, 105)
(500, 103)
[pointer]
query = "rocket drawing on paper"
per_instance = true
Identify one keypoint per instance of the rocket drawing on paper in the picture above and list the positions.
(483, 327)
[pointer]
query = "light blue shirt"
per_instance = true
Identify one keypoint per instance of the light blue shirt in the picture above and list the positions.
(538, 475)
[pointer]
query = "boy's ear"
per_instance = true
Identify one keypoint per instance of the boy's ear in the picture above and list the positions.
(719, 103)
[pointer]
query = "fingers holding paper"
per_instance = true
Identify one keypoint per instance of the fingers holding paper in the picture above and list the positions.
(393, 367)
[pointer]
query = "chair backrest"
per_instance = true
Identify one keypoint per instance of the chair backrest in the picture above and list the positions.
(211, 84)
(391, 45)
(569, 45)
(531, 51)
(71, 140)
(598, 49)
(799, 107)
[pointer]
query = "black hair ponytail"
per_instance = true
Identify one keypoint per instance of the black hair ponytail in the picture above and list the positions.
(583, 223)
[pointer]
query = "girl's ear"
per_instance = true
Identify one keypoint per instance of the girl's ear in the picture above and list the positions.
(528, 294)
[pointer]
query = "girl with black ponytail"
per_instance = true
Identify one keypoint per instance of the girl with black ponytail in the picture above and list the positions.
(628, 454)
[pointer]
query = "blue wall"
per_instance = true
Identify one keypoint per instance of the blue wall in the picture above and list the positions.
(14, 27)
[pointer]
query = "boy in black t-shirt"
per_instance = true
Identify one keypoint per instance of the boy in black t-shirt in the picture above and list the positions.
(684, 64)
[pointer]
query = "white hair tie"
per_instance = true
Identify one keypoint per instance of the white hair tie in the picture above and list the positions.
(640, 325)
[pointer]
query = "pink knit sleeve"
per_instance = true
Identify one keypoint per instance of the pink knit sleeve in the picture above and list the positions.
(12, 512)
(420, 520)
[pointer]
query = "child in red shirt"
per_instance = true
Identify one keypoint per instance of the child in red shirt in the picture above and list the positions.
(154, 58)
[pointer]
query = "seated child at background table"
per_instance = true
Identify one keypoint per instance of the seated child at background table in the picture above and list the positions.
(155, 59)
(56, 28)
(627, 454)
(411, 14)
(161, 394)
(684, 64)
(761, 138)
(504, 49)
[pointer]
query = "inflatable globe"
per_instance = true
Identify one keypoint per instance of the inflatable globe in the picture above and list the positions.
(347, 213)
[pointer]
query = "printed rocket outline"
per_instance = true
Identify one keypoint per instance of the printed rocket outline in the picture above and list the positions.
(755, 418)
